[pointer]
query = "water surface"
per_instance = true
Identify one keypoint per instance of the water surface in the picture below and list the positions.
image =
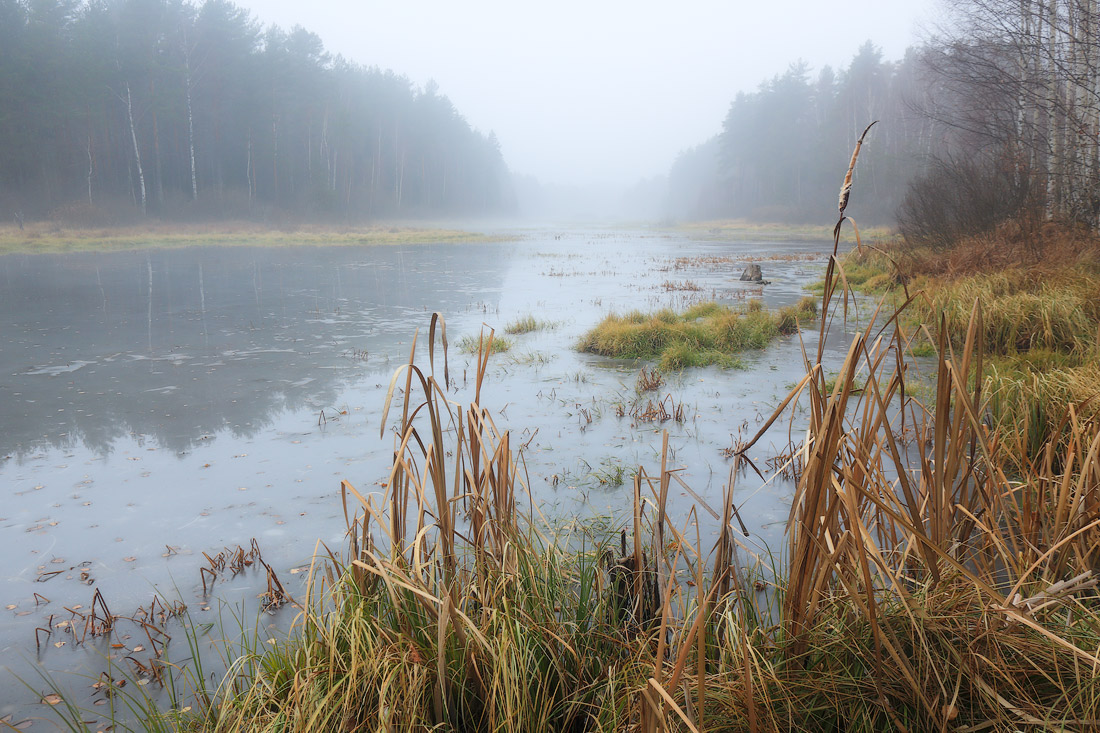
(161, 404)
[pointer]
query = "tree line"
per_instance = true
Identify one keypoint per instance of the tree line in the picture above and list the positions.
(117, 108)
(1019, 83)
(996, 118)
(784, 147)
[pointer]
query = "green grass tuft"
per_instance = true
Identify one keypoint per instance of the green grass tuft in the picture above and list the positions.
(470, 344)
(681, 356)
(706, 334)
(526, 324)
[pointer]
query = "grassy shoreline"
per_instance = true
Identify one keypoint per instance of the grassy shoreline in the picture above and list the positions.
(1040, 301)
(462, 615)
(938, 575)
(52, 238)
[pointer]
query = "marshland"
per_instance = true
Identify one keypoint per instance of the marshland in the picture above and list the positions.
(332, 402)
(178, 402)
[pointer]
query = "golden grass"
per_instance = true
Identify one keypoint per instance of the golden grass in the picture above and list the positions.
(704, 334)
(54, 238)
(454, 609)
(1040, 297)
(1024, 311)
(527, 324)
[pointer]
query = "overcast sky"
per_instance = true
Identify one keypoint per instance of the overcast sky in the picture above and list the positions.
(598, 91)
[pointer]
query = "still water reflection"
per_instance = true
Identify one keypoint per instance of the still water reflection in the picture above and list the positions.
(178, 346)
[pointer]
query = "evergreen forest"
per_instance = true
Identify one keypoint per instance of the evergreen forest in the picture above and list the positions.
(115, 109)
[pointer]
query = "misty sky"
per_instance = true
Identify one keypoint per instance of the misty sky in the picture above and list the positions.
(598, 91)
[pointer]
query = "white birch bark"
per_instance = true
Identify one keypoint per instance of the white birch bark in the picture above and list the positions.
(190, 125)
(137, 152)
(91, 168)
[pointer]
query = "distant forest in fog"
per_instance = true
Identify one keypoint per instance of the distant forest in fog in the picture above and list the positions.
(784, 148)
(114, 108)
(997, 118)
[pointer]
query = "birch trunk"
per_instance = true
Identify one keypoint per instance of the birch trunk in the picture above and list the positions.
(1056, 120)
(91, 167)
(1092, 88)
(275, 156)
(248, 170)
(137, 152)
(158, 177)
(190, 122)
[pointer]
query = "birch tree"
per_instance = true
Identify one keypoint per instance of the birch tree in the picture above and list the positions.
(1030, 67)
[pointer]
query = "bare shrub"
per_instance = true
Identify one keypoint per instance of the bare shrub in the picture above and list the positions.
(960, 198)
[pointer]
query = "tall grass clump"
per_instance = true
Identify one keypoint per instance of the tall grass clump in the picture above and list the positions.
(1021, 310)
(1029, 396)
(492, 344)
(704, 334)
(790, 317)
(526, 324)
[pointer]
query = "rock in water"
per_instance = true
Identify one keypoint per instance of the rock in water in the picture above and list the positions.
(752, 273)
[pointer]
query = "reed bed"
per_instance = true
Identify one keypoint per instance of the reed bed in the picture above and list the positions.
(56, 237)
(932, 580)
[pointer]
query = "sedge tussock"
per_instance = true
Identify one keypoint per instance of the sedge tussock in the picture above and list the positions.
(494, 344)
(704, 334)
(527, 324)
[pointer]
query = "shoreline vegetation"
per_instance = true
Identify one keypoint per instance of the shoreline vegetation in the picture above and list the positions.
(934, 578)
(931, 580)
(1040, 296)
(54, 238)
